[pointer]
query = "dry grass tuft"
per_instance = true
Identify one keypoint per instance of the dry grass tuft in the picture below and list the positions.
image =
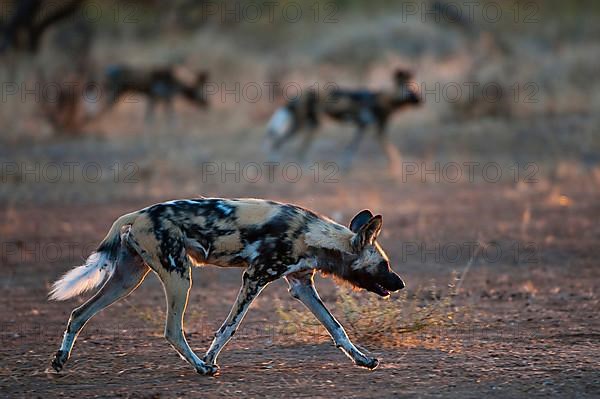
(385, 322)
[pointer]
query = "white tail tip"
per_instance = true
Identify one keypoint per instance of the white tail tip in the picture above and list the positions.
(281, 123)
(82, 278)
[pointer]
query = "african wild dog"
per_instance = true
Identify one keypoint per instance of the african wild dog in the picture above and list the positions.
(362, 107)
(269, 239)
(158, 84)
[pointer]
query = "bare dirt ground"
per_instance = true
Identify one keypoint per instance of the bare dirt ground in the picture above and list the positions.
(528, 322)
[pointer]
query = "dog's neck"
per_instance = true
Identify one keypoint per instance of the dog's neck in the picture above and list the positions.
(330, 245)
(333, 261)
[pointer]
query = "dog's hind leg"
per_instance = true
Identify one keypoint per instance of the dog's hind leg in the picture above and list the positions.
(250, 289)
(303, 289)
(309, 137)
(169, 260)
(278, 142)
(177, 287)
(352, 148)
(129, 273)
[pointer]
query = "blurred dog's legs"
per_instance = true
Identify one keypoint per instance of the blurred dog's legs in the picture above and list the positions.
(352, 148)
(391, 152)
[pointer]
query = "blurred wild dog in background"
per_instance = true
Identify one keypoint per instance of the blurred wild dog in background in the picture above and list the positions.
(158, 84)
(77, 100)
(364, 108)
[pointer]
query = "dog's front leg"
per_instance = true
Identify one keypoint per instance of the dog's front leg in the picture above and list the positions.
(303, 289)
(251, 287)
(352, 148)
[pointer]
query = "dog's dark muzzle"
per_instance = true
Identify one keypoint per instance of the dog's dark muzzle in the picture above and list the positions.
(394, 283)
(386, 284)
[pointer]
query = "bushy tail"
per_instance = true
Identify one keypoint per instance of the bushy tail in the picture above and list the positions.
(280, 123)
(98, 267)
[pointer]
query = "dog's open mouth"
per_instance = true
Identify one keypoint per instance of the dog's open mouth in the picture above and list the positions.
(379, 290)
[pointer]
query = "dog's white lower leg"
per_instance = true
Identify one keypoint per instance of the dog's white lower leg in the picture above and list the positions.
(128, 275)
(249, 291)
(303, 289)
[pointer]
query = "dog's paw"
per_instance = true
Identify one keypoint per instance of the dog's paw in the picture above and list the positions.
(59, 360)
(369, 362)
(208, 369)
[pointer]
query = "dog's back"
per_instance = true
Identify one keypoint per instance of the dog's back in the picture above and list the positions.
(233, 232)
(159, 83)
(367, 106)
(122, 78)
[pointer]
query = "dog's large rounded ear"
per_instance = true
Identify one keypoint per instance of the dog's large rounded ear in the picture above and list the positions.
(360, 219)
(201, 77)
(402, 76)
(368, 233)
